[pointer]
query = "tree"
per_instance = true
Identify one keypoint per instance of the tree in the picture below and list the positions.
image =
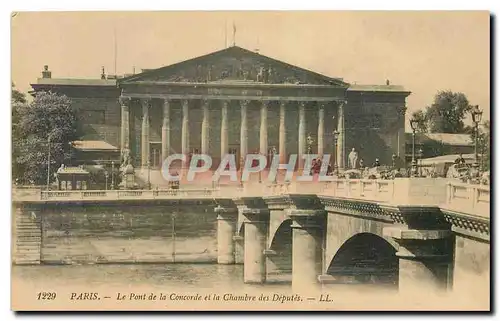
(48, 122)
(447, 113)
(484, 145)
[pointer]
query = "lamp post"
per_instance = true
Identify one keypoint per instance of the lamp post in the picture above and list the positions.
(413, 124)
(476, 118)
(335, 139)
(112, 174)
(106, 174)
(420, 156)
(149, 175)
(48, 163)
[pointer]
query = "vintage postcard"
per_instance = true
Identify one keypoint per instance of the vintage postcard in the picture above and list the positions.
(287, 160)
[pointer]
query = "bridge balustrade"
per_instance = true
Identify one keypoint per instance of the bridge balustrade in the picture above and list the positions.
(469, 198)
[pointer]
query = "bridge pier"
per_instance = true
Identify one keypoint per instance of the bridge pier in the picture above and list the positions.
(226, 228)
(425, 259)
(239, 253)
(254, 269)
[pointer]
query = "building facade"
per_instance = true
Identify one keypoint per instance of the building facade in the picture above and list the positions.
(237, 101)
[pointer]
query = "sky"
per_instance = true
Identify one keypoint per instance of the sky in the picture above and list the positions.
(424, 51)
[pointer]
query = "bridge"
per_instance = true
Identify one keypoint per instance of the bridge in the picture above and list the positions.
(406, 232)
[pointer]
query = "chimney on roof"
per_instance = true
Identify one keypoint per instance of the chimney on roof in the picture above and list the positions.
(46, 73)
(103, 73)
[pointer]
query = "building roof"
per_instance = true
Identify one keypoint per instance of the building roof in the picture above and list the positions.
(71, 170)
(93, 145)
(446, 159)
(444, 138)
(377, 88)
(76, 82)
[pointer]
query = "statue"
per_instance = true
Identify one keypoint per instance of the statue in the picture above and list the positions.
(209, 73)
(125, 158)
(353, 158)
(270, 75)
(260, 75)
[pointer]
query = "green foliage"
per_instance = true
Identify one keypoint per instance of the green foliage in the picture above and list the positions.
(49, 117)
(484, 145)
(447, 113)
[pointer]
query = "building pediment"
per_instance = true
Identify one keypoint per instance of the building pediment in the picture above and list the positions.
(233, 64)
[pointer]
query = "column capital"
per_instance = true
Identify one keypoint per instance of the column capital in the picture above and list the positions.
(245, 102)
(185, 102)
(166, 101)
(124, 101)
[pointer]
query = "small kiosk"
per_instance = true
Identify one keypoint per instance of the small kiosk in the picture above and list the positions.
(72, 178)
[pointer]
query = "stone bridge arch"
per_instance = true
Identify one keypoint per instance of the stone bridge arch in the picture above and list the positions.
(365, 258)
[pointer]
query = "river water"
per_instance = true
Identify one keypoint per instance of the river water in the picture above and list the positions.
(171, 280)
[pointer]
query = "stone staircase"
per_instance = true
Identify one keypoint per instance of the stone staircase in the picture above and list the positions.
(28, 238)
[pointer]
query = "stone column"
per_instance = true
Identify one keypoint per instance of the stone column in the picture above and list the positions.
(282, 134)
(302, 133)
(226, 228)
(145, 133)
(223, 130)
(425, 259)
(263, 128)
(307, 234)
(185, 129)
(321, 129)
(341, 137)
(125, 123)
(165, 131)
(243, 132)
(205, 127)
(254, 268)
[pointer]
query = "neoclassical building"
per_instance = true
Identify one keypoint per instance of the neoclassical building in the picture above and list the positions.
(236, 101)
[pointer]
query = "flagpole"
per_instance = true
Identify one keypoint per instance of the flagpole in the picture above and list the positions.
(225, 34)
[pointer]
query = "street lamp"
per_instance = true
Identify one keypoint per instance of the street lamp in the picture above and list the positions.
(335, 140)
(476, 118)
(106, 174)
(149, 175)
(48, 163)
(413, 124)
(112, 174)
(420, 156)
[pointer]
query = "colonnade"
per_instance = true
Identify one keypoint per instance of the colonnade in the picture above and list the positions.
(224, 139)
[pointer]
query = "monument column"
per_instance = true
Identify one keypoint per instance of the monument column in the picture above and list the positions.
(205, 127)
(165, 130)
(341, 137)
(125, 123)
(243, 132)
(263, 128)
(307, 234)
(226, 228)
(302, 134)
(321, 129)
(282, 133)
(145, 133)
(223, 130)
(185, 129)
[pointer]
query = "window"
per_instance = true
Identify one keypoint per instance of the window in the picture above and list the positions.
(95, 116)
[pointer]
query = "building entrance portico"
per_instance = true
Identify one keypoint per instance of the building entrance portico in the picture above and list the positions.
(232, 101)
